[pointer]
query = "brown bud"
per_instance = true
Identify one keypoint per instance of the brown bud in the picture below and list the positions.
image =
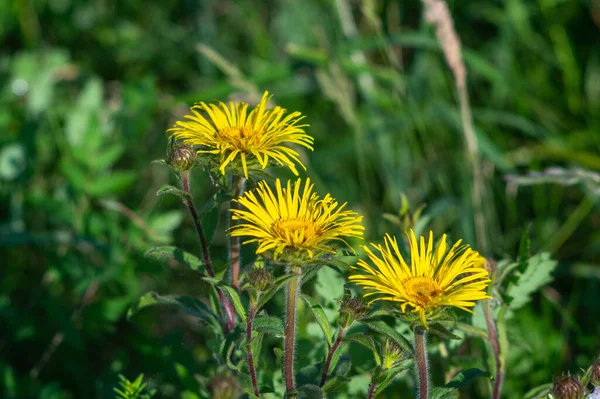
(351, 310)
(224, 386)
(260, 279)
(567, 387)
(181, 157)
(595, 373)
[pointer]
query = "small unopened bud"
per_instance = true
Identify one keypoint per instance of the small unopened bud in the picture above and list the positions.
(351, 310)
(224, 386)
(393, 354)
(567, 387)
(181, 157)
(595, 373)
(260, 279)
(491, 266)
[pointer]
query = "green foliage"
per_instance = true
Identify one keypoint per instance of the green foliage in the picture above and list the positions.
(132, 389)
(536, 274)
(89, 88)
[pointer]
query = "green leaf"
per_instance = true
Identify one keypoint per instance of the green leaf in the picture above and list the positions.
(320, 317)
(343, 366)
(465, 377)
(524, 250)
(382, 328)
(538, 392)
(441, 331)
(309, 391)
(209, 222)
(269, 325)
(190, 305)
(537, 274)
(334, 383)
(502, 336)
(449, 391)
(231, 293)
(276, 286)
(472, 330)
(168, 189)
(228, 348)
(111, 184)
(166, 254)
(367, 342)
(387, 377)
(309, 374)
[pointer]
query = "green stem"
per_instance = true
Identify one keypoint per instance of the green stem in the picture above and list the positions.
(495, 342)
(289, 341)
(421, 360)
(234, 242)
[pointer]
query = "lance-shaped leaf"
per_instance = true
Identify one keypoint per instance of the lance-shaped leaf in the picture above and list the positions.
(168, 189)
(269, 325)
(335, 382)
(231, 293)
(228, 348)
(276, 286)
(441, 331)
(449, 391)
(386, 377)
(169, 253)
(309, 391)
(382, 328)
(192, 306)
(367, 342)
(320, 317)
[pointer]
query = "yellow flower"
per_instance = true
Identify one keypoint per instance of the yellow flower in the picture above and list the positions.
(258, 135)
(295, 220)
(435, 278)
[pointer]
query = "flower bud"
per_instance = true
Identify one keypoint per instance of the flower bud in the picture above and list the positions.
(393, 354)
(595, 373)
(180, 157)
(260, 279)
(351, 310)
(567, 387)
(224, 386)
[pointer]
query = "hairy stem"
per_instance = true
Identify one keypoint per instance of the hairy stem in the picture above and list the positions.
(251, 368)
(292, 290)
(495, 342)
(234, 242)
(185, 183)
(421, 360)
(372, 388)
(332, 350)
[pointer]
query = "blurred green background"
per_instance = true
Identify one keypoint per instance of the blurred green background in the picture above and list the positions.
(88, 88)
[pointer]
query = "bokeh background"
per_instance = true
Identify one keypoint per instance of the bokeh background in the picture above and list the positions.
(88, 88)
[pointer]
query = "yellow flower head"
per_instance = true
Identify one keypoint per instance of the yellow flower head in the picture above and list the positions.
(435, 278)
(293, 219)
(255, 136)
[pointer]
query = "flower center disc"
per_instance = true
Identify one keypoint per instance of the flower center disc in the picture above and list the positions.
(240, 138)
(422, 290)
(295, 231)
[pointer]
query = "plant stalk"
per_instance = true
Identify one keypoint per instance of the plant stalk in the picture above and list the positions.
(332, 350)
(421, 360)
(251, 368)
(372, 388)
(185, 183)
(234, 242)
(495, 342)
(292, 291)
